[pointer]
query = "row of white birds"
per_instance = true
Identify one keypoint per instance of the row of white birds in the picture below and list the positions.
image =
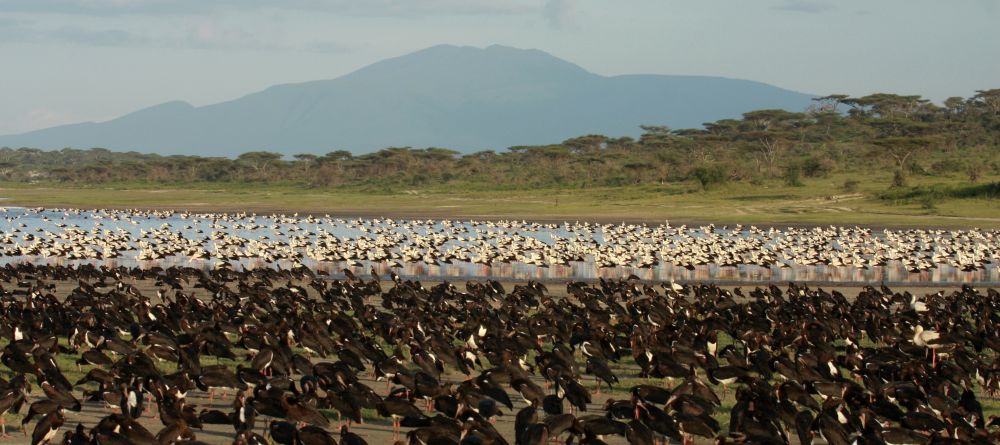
(75, 234)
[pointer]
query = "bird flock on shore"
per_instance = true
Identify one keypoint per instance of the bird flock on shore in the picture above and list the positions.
(183, 239)
(681, 363)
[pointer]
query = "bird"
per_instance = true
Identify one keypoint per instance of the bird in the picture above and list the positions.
(930, 339)
(349, 438)
(46, 429)
(397, 408)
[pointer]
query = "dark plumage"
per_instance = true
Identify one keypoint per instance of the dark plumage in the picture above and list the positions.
(47, 428)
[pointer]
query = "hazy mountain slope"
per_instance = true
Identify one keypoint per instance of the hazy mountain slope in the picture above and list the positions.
(457, 97)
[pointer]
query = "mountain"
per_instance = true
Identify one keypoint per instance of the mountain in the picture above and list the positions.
(463, 98)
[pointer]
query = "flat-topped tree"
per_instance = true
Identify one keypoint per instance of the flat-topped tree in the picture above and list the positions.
(901, 139)
(988, 100)
(902, 148)
(830, 103)
(587, 143)
(770, 133)
(885, 106)
(306, 161)
(259, 161)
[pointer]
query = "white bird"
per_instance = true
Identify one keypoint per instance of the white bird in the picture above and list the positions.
(928, 338)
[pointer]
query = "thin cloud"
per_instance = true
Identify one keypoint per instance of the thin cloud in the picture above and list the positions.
(219, 24)
(199, 32)
(347, 7)
(811, 7)
(105, 37)
(559, 13)
(327, 47)
(20, 31)
(209, 34)
(206, 33)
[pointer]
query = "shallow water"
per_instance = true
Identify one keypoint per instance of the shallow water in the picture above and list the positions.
(273, 230)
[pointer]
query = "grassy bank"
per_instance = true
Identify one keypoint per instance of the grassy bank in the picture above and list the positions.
(938, 201)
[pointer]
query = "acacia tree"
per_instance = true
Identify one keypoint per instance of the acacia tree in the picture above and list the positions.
(954, 105)
(988, 100)
(588, 143)
(900, 139)
(259, 161)
(306, 161)
(902, 149)
(830, 103)
(885, 106)
(6, 168)
(770, 133)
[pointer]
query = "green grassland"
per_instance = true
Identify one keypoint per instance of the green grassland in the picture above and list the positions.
(878, 160)
(938, 201)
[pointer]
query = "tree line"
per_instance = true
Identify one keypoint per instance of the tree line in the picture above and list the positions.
(905, 134)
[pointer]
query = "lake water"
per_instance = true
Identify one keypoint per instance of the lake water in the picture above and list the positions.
(49, 224)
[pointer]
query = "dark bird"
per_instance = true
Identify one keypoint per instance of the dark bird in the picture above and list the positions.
(314, 435)
(349, 438)
(47, 428)
(397, 408)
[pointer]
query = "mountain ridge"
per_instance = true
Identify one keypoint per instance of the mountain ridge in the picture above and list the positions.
(464, 98)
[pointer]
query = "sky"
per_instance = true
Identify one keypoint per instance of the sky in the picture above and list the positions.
(67, 61)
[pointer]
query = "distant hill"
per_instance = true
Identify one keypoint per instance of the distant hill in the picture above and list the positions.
(464, 98)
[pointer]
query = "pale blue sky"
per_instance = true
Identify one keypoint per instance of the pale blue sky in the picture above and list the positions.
(89, 60)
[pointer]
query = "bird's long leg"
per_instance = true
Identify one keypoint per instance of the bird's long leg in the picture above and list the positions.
(3, 427)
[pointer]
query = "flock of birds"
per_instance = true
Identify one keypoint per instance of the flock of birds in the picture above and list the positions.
(777, 366)
(293, 241)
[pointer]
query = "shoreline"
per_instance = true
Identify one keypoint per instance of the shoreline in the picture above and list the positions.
(355, 213)
(817, 205)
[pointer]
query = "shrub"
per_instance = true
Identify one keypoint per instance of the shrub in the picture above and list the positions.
(816, 167)
(792, 176)
(946, 166)
(939, 192)
(708, 176)
(851, 185)
(974, 171)
(916, 168)
(927, 202)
